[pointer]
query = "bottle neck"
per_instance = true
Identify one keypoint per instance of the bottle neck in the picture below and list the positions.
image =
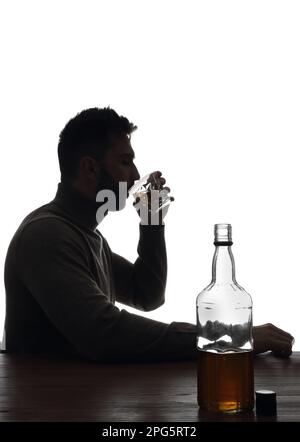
(223, 268)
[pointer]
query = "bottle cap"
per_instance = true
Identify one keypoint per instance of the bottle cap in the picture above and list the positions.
(265, 402)
(223, 235)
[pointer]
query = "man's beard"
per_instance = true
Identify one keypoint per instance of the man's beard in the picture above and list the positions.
(106, 182)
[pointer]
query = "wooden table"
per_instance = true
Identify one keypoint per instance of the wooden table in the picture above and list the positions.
(40, 388)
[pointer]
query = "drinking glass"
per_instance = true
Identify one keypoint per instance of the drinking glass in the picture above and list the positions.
(143, 187)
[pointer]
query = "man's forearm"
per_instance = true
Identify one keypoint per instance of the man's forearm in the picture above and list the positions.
(150, 268)
(142, 285)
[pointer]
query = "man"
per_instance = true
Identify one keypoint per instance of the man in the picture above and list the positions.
(62, 279)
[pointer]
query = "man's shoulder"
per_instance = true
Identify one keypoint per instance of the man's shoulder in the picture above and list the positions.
(46, 222)
(44, 214)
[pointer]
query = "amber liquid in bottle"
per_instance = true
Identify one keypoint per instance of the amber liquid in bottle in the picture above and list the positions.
(225, 381)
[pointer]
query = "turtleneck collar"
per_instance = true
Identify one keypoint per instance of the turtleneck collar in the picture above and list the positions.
(78, 207)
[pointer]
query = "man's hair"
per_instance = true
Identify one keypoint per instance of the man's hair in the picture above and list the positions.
(91, 132)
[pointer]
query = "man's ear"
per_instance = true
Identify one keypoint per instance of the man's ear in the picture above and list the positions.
(89, 167)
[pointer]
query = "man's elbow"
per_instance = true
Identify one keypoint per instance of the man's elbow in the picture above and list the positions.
(154, 304)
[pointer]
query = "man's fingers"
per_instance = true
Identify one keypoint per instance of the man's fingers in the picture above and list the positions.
(282, 353)
(156, 179)
(136, 201)
(272, 330)
(289, 340)
(154, 176)
(267, 337)
(280, 345)
(281, 332)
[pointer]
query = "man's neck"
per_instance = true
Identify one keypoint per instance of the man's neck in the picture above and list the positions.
(81, 207)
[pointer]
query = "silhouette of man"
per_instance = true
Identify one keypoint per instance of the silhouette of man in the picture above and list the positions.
(62, 279)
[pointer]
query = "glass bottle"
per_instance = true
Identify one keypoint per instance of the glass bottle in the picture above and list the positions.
(224, 335)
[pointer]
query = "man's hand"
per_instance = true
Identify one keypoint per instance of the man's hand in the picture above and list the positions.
(267, 337)
(147, 203)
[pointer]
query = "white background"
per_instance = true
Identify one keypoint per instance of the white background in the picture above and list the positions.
(214, 89)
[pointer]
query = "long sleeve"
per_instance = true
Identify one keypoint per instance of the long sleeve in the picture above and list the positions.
(142, 285)
(53, 265)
